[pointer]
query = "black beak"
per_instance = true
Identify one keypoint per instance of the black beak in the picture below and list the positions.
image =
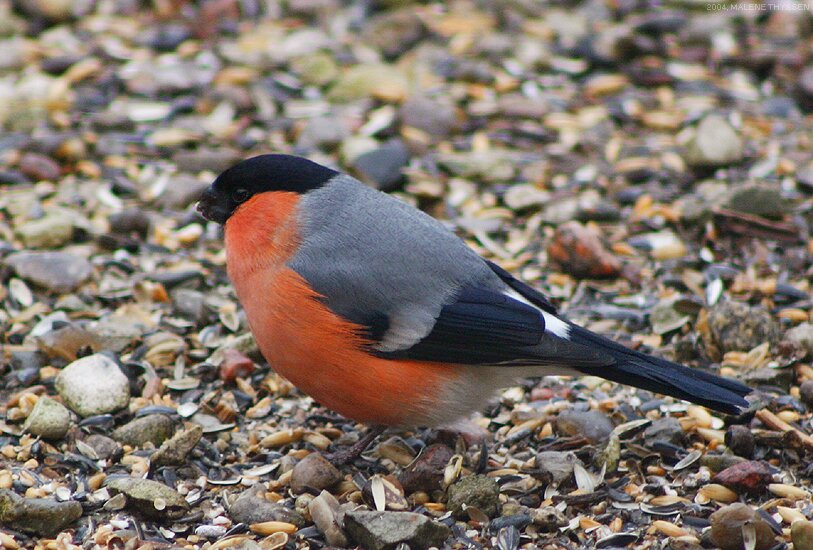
(212, 208)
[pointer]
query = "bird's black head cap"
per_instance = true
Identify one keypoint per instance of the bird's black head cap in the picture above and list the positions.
(257, 175)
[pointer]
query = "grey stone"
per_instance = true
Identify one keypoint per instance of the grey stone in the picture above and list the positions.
(758, 200)
(40, 516)
(381, 167)
(715, 143)
(151, 498)
(801, 336)
(735, 326)
(48, 419)
(190, 305)
(251, 507)
(559, 465)
(435, 116)
(174, 450)
(152, 428)
(314, 472)
(593, 425)
(56, 271)
(781, 378)
(213, 160)
(387, 530)
(324, 510)
(666, 429)
(93, 385)
(50, 231)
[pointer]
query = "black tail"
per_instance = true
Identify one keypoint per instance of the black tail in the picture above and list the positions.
(661, 376)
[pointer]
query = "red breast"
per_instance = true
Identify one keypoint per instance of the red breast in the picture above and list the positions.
(302, 339)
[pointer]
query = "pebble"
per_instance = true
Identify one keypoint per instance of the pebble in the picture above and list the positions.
(394, 32)
(714, 143)
(558, 465)
(130, 221)
(766, 376)
(727, 524)
(93, 385)
(578, 251)
(435, 116)
(314, 472)
(173, 451)
(50, 231)
(750, 477)
(735, 326)
(476, 491)
(205, 159)
(740, 441)
(382, 166)
(758, 200)
(801, 533)
(48, 419)
(388, 530)
(150, 498)
(152, 428)
(316, 69)
(548, 519)
(55, 271)
(67, 342)
(425, 473)
(39, 167)
(801, 337)
(104, 447)
(593, 425)
(251, 507)
(376, 80)
(666, 429)
(522, 196)
(43, 517)
(324, 510)
(190, 304)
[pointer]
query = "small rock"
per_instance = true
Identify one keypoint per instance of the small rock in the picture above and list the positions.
(314, 472)
(50, 231)
(377, 80)
(153, 428)
(559, 465)
(48, 419)
(719, 462)
(181, 191)
(387, 530)
(41, 516)
(425, 473)
(235, 365)
(666, 429)
(213, 160)
(806, 391)
(525, 195)
(324, 132)
(394, 32)
(579, 252)
(758, 200)
(714, 143)
(93, 385)
(751, 477)
(39, 167)
(56, 271)
(150, 498)
(381, 167)
(801, 533)
(801, 337)
(734, 326)
(252, 507)
(476, 491)
(766, 376)
(315, 69)
(324, 510)
(174, 450)
(727, 523)
(740, 441)
(593, 425)
(68, 342)
(104, 447)
(116, 334)
(131, 221)
(190, 304)
(548, 519)
(435, 116)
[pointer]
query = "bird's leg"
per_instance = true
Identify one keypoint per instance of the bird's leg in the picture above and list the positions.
(347, 454)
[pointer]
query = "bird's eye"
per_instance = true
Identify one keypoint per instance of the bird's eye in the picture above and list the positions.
(241, 194)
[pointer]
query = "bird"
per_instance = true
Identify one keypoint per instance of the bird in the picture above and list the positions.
(381, 313)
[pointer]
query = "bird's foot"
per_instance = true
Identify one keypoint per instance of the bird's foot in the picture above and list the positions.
(349, 454)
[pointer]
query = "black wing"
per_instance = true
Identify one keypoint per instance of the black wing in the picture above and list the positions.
(487, 327)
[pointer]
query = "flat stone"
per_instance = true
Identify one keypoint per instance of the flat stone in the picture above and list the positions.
(40, 516)
(56, 271)
(152, 428)
(592, 425)
(48, 419)
(151, 498)
(476, 491)
(251, 507)
(387, 530)
(715, 143)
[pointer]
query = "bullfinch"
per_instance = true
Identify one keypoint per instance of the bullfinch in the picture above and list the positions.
(381, 313)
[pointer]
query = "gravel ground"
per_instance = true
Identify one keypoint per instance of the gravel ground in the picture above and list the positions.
(648, 167)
